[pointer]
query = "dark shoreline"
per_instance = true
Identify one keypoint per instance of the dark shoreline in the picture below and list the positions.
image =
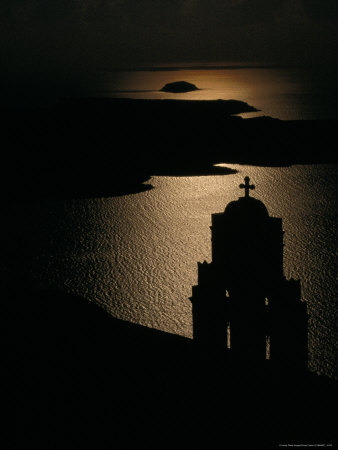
(83, 378)
(104, 147)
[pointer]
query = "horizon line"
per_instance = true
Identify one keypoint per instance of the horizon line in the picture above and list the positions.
(202, 66)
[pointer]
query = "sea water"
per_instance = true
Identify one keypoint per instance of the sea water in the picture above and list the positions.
(286, 93)
(136, 255)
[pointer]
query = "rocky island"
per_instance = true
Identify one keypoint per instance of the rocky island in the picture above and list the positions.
(179, 86)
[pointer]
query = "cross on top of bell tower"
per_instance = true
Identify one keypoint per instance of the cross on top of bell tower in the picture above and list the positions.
(247, 186)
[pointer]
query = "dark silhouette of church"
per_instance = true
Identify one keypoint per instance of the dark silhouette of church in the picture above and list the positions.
(243, 304)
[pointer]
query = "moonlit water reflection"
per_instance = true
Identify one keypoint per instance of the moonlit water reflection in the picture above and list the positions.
(282, 93)
(137, 255)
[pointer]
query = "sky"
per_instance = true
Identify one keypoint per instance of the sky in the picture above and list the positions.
(65, 39)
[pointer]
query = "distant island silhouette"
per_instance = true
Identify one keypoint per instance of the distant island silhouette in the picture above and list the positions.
(179, 86)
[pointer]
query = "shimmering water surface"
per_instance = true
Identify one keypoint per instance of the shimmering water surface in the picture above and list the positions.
(282, 93)
(137, 255)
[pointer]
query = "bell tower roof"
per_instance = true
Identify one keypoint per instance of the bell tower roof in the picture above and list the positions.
(246, 207)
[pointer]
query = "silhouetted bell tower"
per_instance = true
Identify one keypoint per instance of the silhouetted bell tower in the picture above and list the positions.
(243, 303)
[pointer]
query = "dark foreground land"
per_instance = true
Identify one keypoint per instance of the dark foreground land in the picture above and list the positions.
(79, 378)
(103, 147)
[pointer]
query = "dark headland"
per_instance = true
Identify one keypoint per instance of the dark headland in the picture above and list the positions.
(100, 147)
